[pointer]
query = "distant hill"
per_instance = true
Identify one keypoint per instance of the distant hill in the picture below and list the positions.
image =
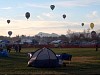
(42, 34)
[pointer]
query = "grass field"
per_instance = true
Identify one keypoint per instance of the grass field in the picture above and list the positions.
(84, 61)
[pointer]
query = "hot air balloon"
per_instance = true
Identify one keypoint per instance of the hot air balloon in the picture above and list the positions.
(82, 24)
(64, 16)
(93, 34)
(9, 33)
(27, 15)
(52, 6)
(92, 25)
(8, 21)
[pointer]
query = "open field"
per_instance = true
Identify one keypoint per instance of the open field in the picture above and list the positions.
(84, 61)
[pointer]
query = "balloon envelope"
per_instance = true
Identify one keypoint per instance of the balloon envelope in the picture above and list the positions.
(64, 16)
(52, 7)
(93, 34)
(9, 33)
(82, 24)
(8, 21)
(27, 15)
(92, 25)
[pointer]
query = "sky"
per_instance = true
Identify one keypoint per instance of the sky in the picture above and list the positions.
(43, 19)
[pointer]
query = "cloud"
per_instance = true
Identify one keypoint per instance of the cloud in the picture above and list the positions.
(37, 25)
(73, 3)
(32, 27)
(48, 14)
(93, 14)
(6, 8)
(40, 18)
(24, 27)
(34, 5)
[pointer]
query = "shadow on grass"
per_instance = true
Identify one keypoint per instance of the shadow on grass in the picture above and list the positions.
(16, 57)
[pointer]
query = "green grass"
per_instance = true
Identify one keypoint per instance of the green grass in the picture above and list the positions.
(16, 63)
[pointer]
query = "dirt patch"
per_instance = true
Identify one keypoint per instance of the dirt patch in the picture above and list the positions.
(81, 59)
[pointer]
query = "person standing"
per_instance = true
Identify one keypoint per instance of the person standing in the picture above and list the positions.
(8, 48)
(96, 46)
(19, 47)
(16, 47)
